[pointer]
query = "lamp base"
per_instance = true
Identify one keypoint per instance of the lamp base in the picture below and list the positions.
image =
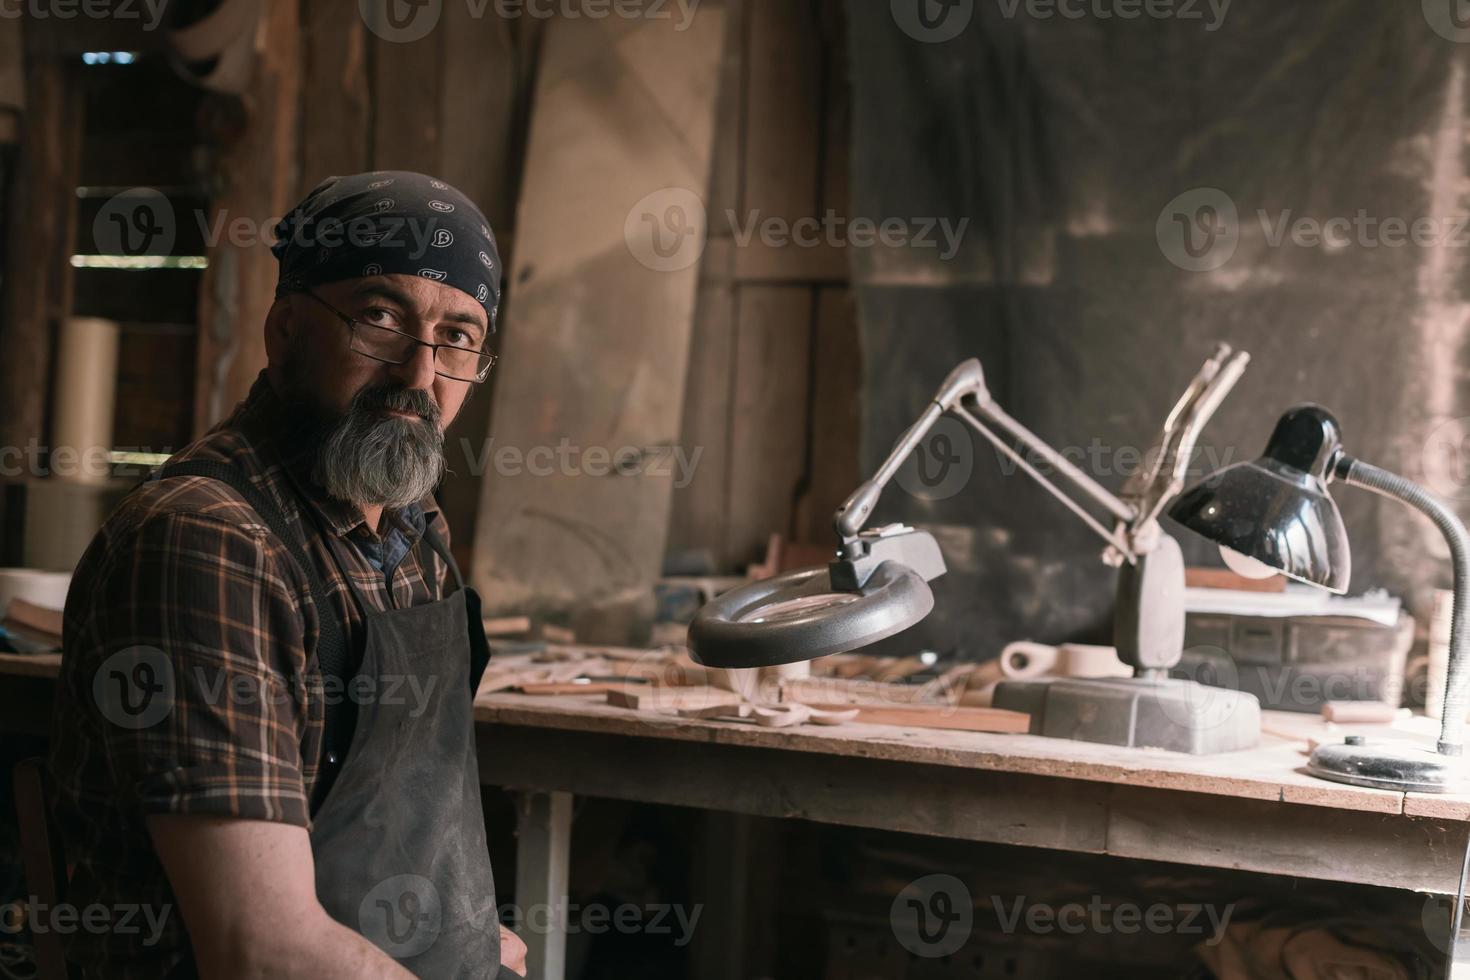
(1391, 765)
(1167, 713)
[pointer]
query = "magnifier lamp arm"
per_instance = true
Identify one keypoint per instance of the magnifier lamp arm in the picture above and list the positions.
(968, 378)
(1355, 472)
(965, 394)
(1119, 539)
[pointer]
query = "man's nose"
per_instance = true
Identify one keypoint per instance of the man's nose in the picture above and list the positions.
(418, 370)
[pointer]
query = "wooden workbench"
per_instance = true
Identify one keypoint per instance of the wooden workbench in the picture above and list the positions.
(1252, 811)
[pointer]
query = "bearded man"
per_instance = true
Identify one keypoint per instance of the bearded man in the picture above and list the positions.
(264, 737)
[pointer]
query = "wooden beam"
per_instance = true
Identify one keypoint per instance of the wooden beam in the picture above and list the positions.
(543, 867)
(335, 105)
(258, 174)
(40, 238)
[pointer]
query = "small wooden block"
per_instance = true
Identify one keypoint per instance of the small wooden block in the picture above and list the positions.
(572, 687)
(675, 699)
(940, 716)
(716, 711)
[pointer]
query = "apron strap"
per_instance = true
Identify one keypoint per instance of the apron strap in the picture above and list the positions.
(479, 645)
(331, 648)
(432, 539)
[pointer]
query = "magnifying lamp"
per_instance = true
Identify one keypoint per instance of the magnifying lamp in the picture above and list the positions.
(1276, 512)
(878, 583)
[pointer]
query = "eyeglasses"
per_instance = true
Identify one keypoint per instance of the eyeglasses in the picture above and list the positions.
(396, 347)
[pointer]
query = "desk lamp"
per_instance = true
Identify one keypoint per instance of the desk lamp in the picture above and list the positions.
(1275, 514)
(878, 584)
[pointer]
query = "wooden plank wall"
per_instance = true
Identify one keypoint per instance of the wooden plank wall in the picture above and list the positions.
(624, 118)
(772, 406)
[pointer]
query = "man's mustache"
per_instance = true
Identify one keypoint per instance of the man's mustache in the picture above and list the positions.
(396, 398)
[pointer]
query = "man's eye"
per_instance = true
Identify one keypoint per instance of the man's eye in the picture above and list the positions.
(460, 339)
(380, 317)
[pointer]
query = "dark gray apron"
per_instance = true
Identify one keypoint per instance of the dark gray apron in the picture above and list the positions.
(398, 833)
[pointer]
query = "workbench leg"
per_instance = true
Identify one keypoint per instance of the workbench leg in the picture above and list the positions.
(543, 861)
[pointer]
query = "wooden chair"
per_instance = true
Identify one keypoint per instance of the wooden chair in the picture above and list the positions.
(44, 860)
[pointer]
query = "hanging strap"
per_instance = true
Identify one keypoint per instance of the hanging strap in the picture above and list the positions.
(331, 647)
(479, 646)
(433, 540)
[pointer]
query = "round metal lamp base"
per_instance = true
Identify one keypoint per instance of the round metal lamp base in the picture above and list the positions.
(1390, 765)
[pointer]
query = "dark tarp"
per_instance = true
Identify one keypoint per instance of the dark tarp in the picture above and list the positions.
(1076, 146)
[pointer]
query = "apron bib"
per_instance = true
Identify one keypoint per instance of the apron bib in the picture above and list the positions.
(398, 834)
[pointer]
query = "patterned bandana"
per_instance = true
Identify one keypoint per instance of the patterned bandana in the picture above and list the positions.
(387, 222)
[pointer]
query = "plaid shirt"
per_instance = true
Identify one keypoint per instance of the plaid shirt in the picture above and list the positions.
(189, 682)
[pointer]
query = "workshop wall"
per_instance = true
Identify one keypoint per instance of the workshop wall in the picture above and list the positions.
(1075, 145)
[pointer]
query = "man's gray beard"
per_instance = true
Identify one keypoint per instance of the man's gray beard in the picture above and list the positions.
(369, 458)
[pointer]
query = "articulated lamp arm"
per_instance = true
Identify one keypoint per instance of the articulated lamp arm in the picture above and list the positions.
(964, 393)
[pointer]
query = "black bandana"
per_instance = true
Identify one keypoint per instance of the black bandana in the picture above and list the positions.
(387, 222)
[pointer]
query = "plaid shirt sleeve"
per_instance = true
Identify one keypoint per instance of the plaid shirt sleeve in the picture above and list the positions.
(194, 646)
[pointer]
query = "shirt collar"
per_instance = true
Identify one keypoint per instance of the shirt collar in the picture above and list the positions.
(264, 419)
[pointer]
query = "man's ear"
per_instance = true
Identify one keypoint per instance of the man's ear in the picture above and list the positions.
(280, 330)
